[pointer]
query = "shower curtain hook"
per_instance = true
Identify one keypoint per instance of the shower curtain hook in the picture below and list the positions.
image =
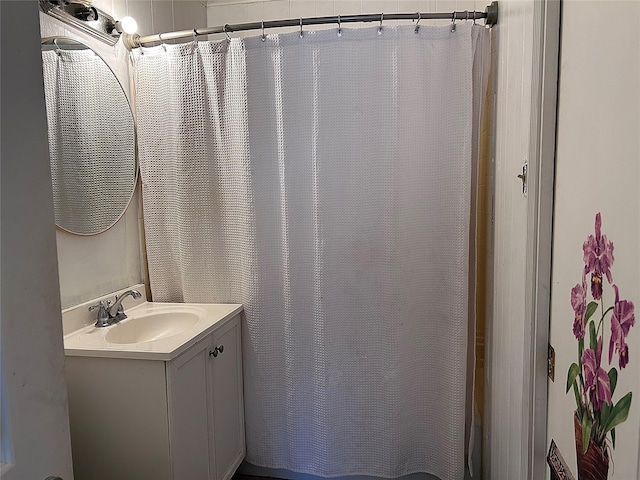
(380, 27)
(162, 41)
(301, 32)
(139, 45)
(453, 22)
(339, 27)
(195, 41)
(263, 38)
(58, 51)
(417, 24)
(224, 29)
(474, 17)
(467, 13)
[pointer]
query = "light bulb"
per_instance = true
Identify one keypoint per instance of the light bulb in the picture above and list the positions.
(128, 25)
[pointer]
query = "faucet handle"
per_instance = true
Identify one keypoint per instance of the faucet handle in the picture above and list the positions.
(103, 304)
(103, 314)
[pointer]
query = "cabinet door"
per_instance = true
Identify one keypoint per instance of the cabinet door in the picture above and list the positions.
(228, 409)
(188, 413)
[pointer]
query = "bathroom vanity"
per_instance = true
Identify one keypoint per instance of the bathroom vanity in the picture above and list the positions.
(159, 395)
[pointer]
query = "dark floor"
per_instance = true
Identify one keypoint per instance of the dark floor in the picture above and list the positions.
(237, 476)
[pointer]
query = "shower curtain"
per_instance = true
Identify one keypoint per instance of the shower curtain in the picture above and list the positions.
(325, 182)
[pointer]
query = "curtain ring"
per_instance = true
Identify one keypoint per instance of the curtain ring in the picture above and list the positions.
(137, 39)
(162, 41)
(263, 38)
(55, 44)
(474, 17)
(224, 29)
(301, 32)
(467, 13)
(195, 41)
(339, 27)
(380, 27)
(417, 24)
(453, 22)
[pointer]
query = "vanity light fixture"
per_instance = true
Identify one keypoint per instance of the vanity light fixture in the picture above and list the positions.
(82, 15)
(127, 25)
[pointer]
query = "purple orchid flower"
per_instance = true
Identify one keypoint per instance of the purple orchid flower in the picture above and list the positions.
(622, 319)
(579, 304)
(598, 258)
(596, 380)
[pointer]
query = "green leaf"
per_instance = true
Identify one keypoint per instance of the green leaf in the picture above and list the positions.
(586, 432)
(591, 308)
(613, 379)
(580, 349)
(605, 413)
(593, 340)
(573, 372)
(613, 438)
(578, 403)
(619, 413)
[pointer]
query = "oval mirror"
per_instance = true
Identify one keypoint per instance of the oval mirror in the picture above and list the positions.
(92, 139)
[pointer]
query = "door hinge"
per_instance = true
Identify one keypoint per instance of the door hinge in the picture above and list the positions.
(551, 363)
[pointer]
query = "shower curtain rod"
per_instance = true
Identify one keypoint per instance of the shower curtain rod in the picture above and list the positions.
(490, 16)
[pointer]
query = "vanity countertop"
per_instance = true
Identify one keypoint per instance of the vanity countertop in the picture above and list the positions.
(153, 331)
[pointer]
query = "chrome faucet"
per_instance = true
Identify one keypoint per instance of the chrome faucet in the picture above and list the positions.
(108, 313)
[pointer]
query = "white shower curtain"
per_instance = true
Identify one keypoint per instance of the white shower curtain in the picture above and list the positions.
(326, 183)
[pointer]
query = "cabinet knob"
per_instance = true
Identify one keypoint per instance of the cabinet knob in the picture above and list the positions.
(218, 349)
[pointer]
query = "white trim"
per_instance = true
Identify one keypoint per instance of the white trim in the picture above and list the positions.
(539, 229)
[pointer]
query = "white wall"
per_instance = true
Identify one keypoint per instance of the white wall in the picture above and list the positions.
(92, 266)
(32, 353)
(597, 170)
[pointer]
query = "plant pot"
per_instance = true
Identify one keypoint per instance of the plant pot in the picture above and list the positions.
(594, 464)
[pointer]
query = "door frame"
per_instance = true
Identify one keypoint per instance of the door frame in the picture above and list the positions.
(542, 149)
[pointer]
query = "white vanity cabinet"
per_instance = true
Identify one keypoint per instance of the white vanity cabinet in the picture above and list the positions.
(206, 420)
(178, 419)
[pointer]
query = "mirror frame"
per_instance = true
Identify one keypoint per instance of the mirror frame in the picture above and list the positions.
(136, 180)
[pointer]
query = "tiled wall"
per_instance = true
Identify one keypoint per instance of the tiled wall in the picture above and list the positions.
(157, 16)
(221, 12)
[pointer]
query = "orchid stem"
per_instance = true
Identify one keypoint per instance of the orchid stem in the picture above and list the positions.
(602, 318)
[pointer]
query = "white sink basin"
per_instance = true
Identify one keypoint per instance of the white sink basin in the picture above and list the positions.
(153, 326)
(152, 331)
